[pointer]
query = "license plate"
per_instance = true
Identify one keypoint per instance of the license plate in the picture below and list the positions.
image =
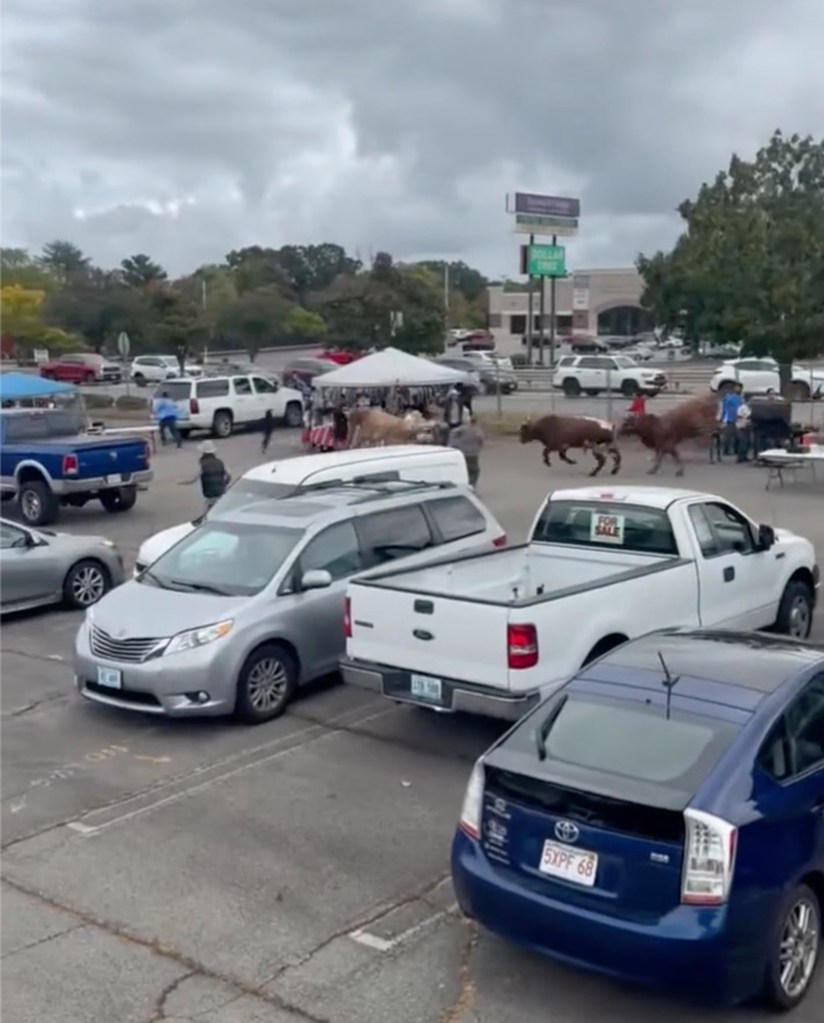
(110, 677)
(577, 865)
(426, 688)
(113, 477)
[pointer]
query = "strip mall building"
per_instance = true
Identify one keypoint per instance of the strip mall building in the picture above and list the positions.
(587, 302)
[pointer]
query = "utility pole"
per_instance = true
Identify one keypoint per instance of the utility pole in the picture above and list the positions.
(530, 312)
(552, 316)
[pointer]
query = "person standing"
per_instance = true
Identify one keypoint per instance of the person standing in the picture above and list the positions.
(743, 432)
(468, 438)
(212, 474)
(165, 412)
(453, 410)
(638, 406)
(730, 404)
(268, 427)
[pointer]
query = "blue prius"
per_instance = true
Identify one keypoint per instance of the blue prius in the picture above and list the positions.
(660, 818)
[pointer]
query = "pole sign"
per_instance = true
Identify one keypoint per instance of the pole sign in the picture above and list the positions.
(123, 344)
(544, 214)
(546, 260)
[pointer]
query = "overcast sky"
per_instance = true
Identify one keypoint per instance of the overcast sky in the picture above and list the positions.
(186, 128)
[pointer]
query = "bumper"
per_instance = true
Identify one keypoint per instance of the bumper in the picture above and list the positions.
(456, 696)
(688, 951)
(97, 483)
(167, 686)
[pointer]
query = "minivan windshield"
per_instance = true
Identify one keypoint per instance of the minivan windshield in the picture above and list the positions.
(225, 558)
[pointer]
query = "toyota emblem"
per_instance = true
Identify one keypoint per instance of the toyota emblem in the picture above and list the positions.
(566, 831)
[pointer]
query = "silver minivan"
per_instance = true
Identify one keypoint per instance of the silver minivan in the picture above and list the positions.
(250, 605)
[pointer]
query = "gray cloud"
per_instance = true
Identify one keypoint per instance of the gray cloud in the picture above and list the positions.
(184, 129)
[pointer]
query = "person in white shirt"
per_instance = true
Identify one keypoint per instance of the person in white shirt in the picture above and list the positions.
(743, 432)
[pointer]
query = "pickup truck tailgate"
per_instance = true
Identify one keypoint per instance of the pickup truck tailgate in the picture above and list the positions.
(111, 457)
(446, 637)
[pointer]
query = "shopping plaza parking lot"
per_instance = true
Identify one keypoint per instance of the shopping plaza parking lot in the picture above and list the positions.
(298, 871)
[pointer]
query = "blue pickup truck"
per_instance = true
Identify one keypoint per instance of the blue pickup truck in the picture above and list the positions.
(46, 463)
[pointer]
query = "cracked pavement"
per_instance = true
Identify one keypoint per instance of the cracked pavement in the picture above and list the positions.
(291, 873)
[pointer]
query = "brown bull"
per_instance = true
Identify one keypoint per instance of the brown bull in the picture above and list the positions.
(560, 433)
(373, 426)
(694, 419)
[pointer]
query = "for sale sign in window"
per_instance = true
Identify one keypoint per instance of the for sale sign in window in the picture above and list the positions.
(606, 528)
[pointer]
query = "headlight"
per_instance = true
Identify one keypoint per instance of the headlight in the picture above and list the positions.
(194, 638)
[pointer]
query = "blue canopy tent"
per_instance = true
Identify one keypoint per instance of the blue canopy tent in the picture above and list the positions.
(27, 387)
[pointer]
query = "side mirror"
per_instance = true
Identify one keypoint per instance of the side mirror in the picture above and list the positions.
(316, 579)
(766, 537)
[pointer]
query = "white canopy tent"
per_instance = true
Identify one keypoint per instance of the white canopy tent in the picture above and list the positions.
(390, 368)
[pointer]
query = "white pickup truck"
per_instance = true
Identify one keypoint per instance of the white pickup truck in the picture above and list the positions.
(492, 633)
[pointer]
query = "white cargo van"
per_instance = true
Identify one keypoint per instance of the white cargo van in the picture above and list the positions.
(425, 463)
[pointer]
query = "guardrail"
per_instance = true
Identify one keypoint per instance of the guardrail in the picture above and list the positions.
(679, 378)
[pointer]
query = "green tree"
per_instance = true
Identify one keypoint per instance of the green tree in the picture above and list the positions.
(312, 268)
(176, 321)
(255, 318)
(63, 260)
(97, 305)
(140, 270)
(18, 267)
(750, 263)
(302, 323)
(255, 267)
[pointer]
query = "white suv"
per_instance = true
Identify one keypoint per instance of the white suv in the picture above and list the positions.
(757, 376)
(219, 404)
(591, 374)
(154, 369)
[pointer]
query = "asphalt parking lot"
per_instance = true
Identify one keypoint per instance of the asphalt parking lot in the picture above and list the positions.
(292, 873)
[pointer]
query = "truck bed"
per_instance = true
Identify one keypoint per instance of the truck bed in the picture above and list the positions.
(516, 576)
(450, 619)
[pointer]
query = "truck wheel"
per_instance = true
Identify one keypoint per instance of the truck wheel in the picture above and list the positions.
(85, 583)
(140, 380)
(38, 505)
(266, 684)
(571, 387)
(222, 424)
(294, 415)
(795, 950)
(795, 612)
(119, 499)
(801, 391)
(629, 388)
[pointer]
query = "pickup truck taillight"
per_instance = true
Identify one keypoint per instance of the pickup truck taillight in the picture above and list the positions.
(194, 408)
(347, 618)
(709, 859)
(70, 466)
(148, 450)
(521, 646)
(499, 541)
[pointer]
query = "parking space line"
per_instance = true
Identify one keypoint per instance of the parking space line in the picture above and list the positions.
(374, 941)
(311, 735)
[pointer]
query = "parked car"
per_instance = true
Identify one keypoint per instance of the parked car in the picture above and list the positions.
(46, 463)
(82, 368)
(305, 369)
(473, 381)
(39, 567)
(602, 565)
(250, 605)
(757, 376)
(220, 404)
(340, 356)
(272, 481)
(661, 819)
(486, 376)
(591, 374)
(154, 369)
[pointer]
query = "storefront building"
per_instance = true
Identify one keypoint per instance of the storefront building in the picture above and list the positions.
(587, 302)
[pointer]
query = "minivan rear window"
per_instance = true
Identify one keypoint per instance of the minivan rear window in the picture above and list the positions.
(604, 524)
(637, 741)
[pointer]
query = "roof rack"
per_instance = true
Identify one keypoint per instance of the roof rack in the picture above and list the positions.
(372, 483)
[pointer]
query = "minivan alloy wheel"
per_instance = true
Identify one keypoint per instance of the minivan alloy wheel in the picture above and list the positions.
(798, 949)
(267, 684)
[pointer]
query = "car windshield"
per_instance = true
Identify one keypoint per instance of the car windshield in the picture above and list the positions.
(229, 559)
(246, 492)
(625, 362)
(170, 360)
(635, 741)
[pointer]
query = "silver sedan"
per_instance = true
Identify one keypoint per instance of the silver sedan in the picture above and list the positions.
(38, 567)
